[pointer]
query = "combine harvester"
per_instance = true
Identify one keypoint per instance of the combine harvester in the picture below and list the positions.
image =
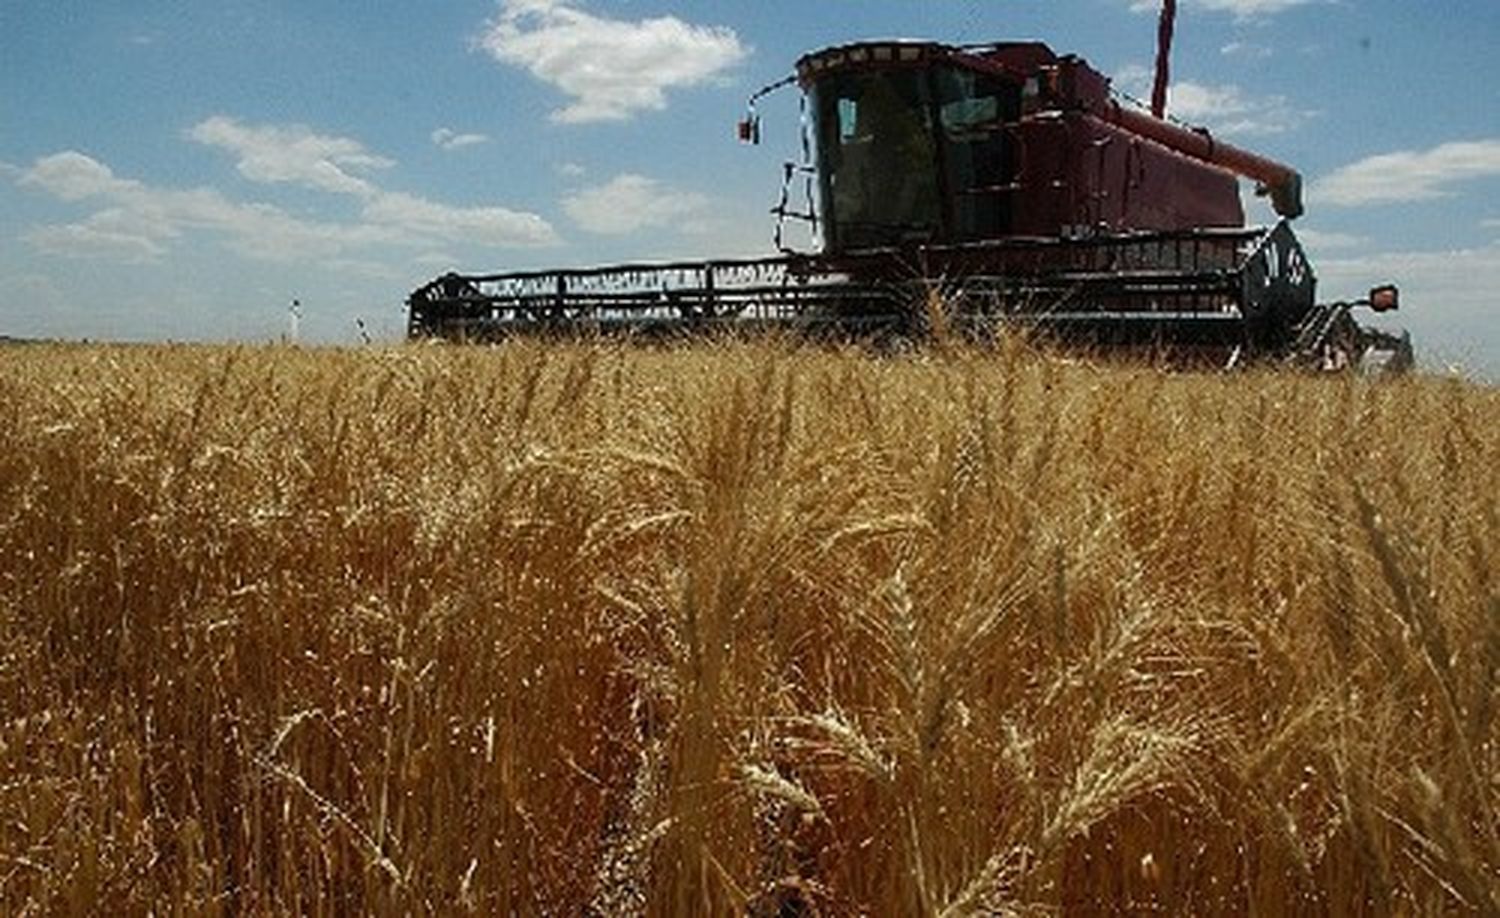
(1009, 181)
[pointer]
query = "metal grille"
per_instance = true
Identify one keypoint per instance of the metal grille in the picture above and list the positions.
(1146, 283)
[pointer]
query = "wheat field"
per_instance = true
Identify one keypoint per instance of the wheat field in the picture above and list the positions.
(741, 628)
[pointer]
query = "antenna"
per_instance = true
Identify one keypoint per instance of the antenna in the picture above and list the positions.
(1164, 31)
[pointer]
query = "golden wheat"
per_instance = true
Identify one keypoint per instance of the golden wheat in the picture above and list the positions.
(741, 628)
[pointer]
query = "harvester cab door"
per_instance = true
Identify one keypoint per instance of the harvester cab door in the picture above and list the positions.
(877, 159)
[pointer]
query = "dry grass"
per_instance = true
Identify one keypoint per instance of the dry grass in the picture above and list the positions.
(731, 628)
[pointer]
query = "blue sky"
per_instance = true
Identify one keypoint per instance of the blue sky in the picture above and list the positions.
(183, 170)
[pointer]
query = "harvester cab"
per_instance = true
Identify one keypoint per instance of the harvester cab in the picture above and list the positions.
(920, 142)
(1008, 177)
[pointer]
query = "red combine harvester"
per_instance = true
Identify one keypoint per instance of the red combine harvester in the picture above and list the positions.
(1004, 176)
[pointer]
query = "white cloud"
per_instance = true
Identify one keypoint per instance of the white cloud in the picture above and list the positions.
(448, 139)
(138, 221)
(1317, 239)
(1493, 223)
(89, 240)
(1231, 111)
(436, 260)
(365, 269)
(154, 216)
(265, 232)
(291, 154)
(1228, 109)
(1409, 175)
(571, 170)
(1249, 8)
(1246, 49)
(628, 203)
(494, 226)
(611, 68)
(74, 176)
(1242, 9)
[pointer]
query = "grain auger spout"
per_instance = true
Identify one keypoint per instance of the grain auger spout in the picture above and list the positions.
(1280, 182)
(1008, 176)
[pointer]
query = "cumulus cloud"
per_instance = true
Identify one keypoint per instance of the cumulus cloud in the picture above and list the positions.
(1233, 111)
(1249, 8)
(137, 222)
(91, 241)
(628, 203)
(436, 260)
(1321, 240)
(430, 220)
(74, 176)
(1409, 175)
(448, 139)
(1247, 50)
(1228, 109)
(1241, 9)
(612, 69)
(292, 154)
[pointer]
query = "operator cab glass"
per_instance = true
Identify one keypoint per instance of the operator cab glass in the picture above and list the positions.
(877, 158)
(912, 155)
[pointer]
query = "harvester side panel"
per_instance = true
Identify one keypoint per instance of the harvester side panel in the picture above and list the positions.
(1081, 172)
